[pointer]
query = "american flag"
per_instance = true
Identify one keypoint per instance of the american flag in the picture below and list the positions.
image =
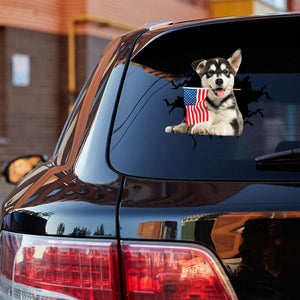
(194, 101)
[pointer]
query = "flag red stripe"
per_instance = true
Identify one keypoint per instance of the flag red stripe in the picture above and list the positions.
(200, 102)
(202, 94)
(197, 113)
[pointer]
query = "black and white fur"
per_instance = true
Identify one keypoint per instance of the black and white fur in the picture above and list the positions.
(225, 118)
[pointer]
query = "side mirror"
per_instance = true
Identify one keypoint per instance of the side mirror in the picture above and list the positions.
(14, 170)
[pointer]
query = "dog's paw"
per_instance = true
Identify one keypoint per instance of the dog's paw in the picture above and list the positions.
(220, 130)
(169, 129)
(200, 129)
(181, 128)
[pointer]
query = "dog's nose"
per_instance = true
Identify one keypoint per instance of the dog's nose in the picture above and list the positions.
(219, 81)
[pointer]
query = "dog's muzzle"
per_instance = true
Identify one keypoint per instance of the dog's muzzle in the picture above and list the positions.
(219, 92)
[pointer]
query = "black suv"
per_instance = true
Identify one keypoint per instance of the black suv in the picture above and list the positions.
(134, 204)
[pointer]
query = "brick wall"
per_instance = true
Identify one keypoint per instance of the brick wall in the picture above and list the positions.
(137, 12)
(32, 114)
(295, 5)
(88, 53)
(2, 88)
(36, 15)
(31, 117)
(53, 15)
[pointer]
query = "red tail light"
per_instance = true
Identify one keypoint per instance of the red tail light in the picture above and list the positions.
(59, 268)
(33, 267)
(165, 271)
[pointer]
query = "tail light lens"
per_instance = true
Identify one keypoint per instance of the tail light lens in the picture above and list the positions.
(57, 268)
(173, 271)
(33, 267)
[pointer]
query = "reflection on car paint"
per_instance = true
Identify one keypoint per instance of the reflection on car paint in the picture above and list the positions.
(53, 209)
(253, 236)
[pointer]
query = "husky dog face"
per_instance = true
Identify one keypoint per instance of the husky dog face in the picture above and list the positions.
(218, 74)
(225, 118)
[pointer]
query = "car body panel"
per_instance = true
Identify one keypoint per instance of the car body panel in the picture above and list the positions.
(44, 194)
(252, 227)
(67, 207)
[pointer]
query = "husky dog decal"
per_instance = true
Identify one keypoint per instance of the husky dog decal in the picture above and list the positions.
(224, 117)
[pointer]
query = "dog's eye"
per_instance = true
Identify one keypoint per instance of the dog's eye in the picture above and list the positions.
(226, 72)
(211, 72)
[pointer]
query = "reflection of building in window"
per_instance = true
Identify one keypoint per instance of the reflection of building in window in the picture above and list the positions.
(158, 230)
(275, 132)
(239, 238)
(226, 230)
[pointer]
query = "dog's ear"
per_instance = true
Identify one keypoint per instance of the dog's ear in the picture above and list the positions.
(198, 65)
(235, 60)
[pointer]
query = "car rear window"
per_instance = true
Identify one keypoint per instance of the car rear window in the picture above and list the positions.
(152, 99)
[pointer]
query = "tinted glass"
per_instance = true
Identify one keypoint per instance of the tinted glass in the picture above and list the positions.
(152, 99)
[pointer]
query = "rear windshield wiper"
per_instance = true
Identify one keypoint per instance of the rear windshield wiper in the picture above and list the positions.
(288, 160)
